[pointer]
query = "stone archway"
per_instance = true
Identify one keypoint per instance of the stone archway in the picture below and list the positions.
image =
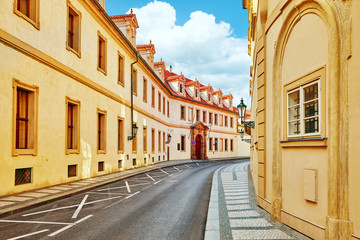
(198, 133)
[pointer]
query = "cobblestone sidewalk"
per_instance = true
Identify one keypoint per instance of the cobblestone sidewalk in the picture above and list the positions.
(233, 213)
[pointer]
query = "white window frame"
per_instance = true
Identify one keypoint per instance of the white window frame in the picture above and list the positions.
(301, 105)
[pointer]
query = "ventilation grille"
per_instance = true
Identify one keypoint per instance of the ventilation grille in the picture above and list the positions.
(22, 176)
(72, 170)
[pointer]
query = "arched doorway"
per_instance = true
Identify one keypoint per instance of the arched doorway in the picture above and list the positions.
(198, 146)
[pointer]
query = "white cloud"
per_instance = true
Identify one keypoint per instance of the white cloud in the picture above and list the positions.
(202, 48)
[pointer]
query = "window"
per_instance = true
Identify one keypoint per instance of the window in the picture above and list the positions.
(100, 166)
(221, 120)
(134, 143)
(209, 97)
(196, 93)
(120, 164)
(134, 81)
(231, 122)
(23, 176)
(191, 114)
(144, 90)
(226, 145)
(182, 143)
(164, 105)
(221, 145)
(152, 140)
(168, 109)
(210, 144)
(121, 63)
(210, 118)
(101, 53)
(145, 139)
(73, 30)
(72, 170)
(215, 119)
(120, 135)
(216, 144)
(231, 145)
(204, 116)
(197, 115)
(72, 126)
(219, 101)
(182, 113)
(159, 101)
(181, 88)
(226, 121)
(303, 113)
(101, 138)
(153, 96)
(25, 101)
(29, 10)
(159, 141)
(164, 141)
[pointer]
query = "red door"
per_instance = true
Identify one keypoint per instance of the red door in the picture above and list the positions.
(198, 147)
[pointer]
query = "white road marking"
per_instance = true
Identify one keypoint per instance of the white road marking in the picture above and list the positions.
(197, 164)
(164, 172)
(187, 165)
(29, 234)
(76, 213)
(171, 175)
(108, 193)
(71, 206)
(69, 226)
(157, 182)
(127, 186)
(35, 222)
(101, 190)
(132, 195)
(150, 177)
(176, 168)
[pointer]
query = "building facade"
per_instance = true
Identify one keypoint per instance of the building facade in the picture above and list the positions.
(304, 90)
(68, 74)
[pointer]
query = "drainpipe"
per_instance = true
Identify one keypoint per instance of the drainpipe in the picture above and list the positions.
(132, 98)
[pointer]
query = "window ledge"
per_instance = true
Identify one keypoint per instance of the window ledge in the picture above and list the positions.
(304, 142)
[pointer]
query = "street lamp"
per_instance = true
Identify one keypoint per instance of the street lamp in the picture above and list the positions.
(241, 111)
(169, 139)
(241, 134)
(133, 132)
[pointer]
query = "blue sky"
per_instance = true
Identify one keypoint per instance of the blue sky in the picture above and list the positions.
(229, 11)
(206, 40)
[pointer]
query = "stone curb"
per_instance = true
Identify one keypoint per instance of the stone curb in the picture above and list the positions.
(212, 230)
(108, 178)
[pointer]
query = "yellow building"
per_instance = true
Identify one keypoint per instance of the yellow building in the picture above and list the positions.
(304, 90)
(66, 90)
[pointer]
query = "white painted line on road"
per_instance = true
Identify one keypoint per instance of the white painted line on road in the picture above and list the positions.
(187, 165)
(76, 213)
(157, 182)
(171, 175)
(71, 206)
(127, 186)
(101, 190)
(132, 195)
(29, 234)
(35, 222)
(69, 226)
(150, 177)
(108, 193)
(164, 172)
(197, 164)
(176, 168)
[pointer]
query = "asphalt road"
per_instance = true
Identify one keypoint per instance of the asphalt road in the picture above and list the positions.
(170, 203)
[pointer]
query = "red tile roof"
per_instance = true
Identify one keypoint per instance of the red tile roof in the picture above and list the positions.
(172, 76)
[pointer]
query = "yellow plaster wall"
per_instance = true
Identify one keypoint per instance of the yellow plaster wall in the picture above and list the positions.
(354, 116)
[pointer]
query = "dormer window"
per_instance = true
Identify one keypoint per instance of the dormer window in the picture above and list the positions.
(219, 100)
(181, 90)
(209, 97)
(196, 93)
